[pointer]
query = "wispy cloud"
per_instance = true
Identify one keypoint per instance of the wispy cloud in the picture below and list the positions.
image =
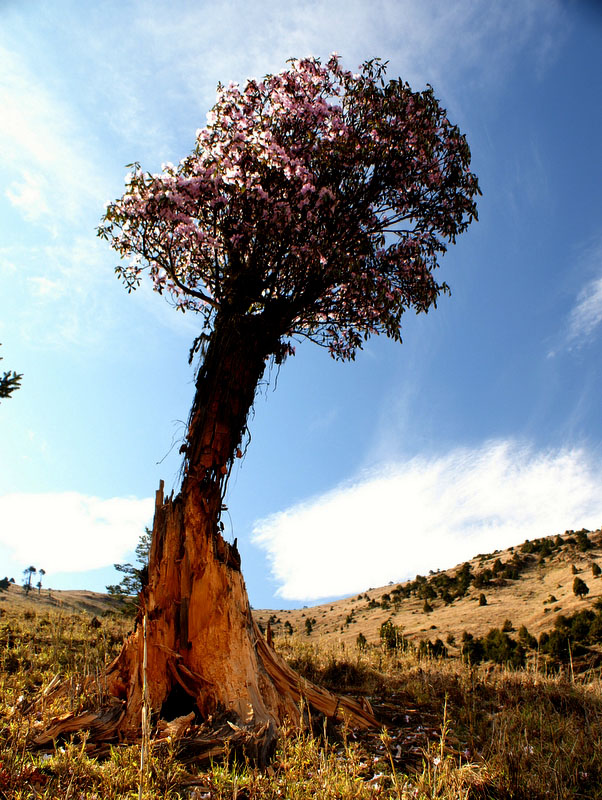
(71, 532)
(438, 42)
(63, 293)
(426, 514)
(585, 318)
(49, 163)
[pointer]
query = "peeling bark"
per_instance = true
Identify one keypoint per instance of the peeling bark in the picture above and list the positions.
(205, 653)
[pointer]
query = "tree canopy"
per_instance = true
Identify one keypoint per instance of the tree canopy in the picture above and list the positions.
(316, 201)
(9, 382)
(134, 578)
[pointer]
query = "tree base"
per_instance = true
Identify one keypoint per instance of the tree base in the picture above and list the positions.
(200, 660)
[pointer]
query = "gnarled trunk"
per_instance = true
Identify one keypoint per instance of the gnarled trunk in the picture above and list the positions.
(204, 651)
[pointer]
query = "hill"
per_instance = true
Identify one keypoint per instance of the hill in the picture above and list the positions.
(530, 585)
(95, 603)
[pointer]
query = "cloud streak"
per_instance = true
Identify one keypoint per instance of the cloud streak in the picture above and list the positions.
(586, 317)
(71, 532)
(408, 518)
(583, 322)
(47, 152)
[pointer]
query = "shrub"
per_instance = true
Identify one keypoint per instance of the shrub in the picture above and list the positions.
(482, 600)
(596, 570)
(430, 649)
(580, 588)
(427, 607)
(392, 637)
(472, 649)
(507, 626)
(361, 642)
(525, 638)
(497, 566)
(502, 649)
(426, 592)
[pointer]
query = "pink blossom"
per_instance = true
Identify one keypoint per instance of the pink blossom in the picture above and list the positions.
(284, 177)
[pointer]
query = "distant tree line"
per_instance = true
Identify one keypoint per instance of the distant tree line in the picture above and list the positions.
(448, 588)
(28, 574)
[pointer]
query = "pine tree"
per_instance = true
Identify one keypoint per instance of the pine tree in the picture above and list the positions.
(9, 383)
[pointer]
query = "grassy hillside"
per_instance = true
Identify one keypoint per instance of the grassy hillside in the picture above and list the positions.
(452, 729)
(93, 603)
(530, 585)
(533, 587)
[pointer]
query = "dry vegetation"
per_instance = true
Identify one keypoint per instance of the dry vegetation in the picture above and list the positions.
(450, 729)
(526, 601)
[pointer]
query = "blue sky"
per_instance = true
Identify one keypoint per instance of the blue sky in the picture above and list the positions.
(481, 430)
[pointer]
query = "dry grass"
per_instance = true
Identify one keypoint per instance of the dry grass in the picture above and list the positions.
(451, 731)
(524, 601)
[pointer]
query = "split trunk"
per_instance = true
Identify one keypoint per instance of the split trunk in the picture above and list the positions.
(204, 652)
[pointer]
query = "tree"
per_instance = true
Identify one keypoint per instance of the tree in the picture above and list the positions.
(28, 572)
(41, 573)
(134, 578)
(9, 383)
(315, 204)
(580, 588)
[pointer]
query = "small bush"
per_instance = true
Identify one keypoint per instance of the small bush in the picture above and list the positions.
(392, 637)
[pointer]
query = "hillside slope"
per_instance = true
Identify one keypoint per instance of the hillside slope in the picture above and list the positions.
(94, 603)
(530, 585)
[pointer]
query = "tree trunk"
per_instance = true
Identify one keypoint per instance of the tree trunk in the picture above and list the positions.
(205, 653)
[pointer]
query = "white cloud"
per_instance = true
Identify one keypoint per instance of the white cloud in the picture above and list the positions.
(585, 317)
(47, 150)
(71, 532)
(587, 314)
(28, 194)
(70, 289)
(408, 518)
(440, 42)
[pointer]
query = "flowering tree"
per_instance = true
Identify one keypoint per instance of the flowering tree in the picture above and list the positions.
(315, 204)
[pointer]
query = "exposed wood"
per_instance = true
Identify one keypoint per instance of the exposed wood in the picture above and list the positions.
(205, 654)
(101, 726)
